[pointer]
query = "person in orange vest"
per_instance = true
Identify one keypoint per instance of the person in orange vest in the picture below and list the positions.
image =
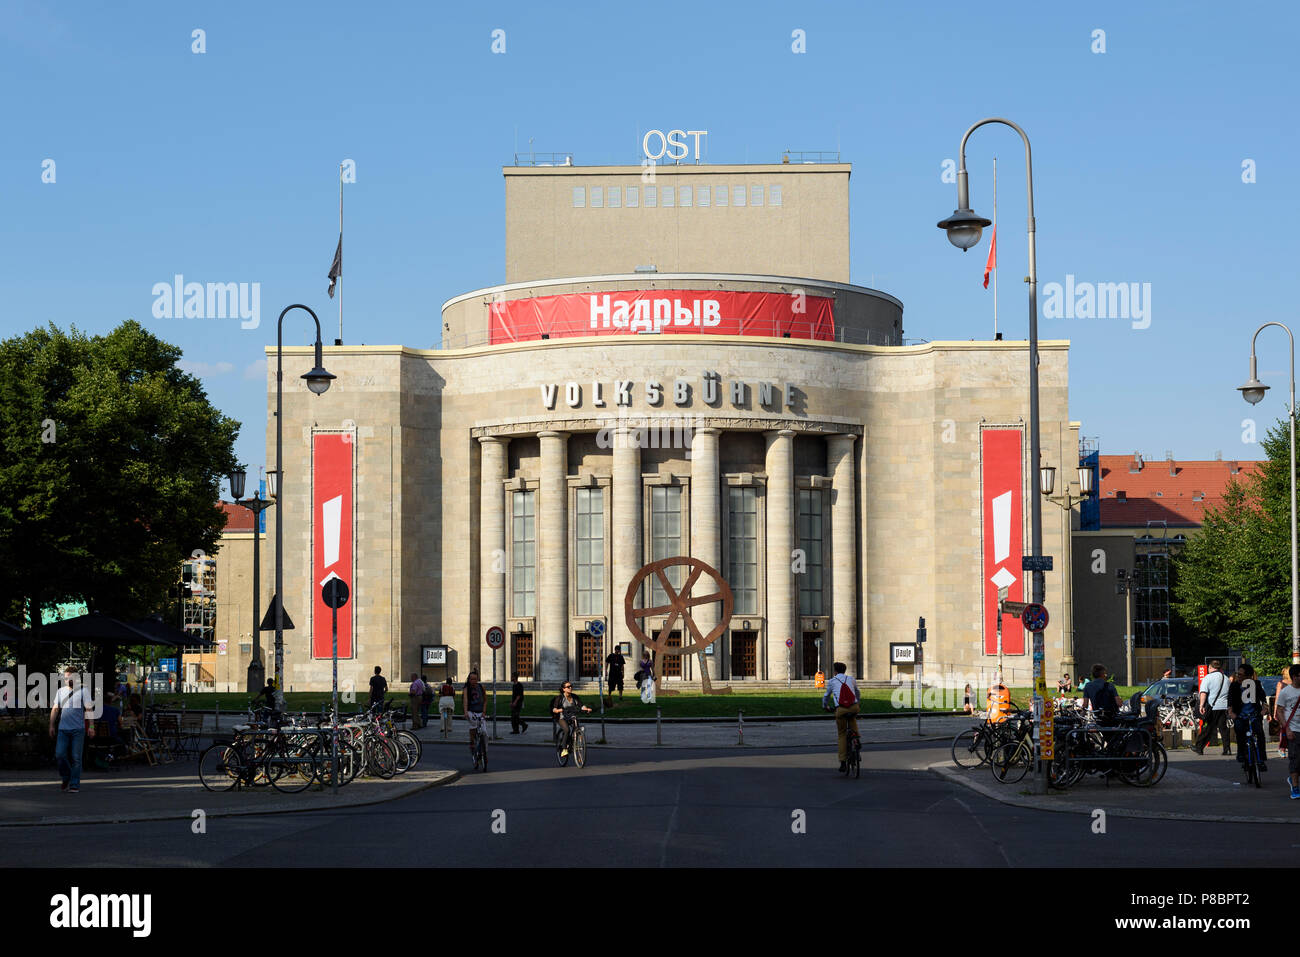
(999, 703)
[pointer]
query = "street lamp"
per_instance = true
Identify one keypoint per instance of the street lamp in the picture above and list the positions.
(318, 381)
(1253, 392)
(964, 229)
(1067, 500)
(257, 505)
(1127, 585)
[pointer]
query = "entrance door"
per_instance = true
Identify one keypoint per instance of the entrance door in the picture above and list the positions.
(588, 655)
(744, 654)
(810, 655)
(521, 654)
(672, 664)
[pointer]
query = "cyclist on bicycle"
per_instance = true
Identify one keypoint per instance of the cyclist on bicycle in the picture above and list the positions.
(475, 702)
(842, 696)
(565, 706)
(1246, 700)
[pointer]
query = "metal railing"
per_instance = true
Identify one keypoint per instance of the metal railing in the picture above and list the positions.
(543, 159)
(810, 156)
(860, 337)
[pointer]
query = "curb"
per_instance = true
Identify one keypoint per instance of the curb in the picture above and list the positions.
(127, 817)
(592, 743)
(1046, 804)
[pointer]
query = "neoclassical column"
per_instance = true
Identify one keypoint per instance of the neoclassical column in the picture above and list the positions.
(625, 550)
(492, 536)
(844, 566)
(706, 529)
(782, 620)
(553, 559)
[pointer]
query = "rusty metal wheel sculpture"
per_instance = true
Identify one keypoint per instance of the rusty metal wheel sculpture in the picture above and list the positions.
(679, 605)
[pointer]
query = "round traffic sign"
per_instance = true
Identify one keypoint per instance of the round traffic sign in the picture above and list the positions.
(334, 593)
(1034, 617)
(789, 642)
(596, 628)
(495, 637)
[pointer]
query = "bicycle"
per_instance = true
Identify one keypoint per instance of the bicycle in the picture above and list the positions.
(1252, 762)
(973, 747)
(574, 743)
(478, 728)
(853, 766)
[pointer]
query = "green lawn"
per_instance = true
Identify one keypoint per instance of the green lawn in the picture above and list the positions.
(687, 704)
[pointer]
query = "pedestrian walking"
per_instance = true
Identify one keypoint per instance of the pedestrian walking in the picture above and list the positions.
(446, 704)
(517, 723)
(70, 726)
(426, 701)
(615, 663)
(378, 687)
(416, 694)
(1287, 712)
(646, 681)
(1213, 701)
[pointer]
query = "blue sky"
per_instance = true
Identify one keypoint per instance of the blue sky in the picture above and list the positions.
(222, 166)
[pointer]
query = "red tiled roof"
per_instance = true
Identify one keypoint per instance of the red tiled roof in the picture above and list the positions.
(1177, 501)
(238, 519)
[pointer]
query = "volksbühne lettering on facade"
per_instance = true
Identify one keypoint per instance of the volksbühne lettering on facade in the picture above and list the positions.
(772, 397)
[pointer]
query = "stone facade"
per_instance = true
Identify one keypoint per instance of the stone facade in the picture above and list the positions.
(444, 438)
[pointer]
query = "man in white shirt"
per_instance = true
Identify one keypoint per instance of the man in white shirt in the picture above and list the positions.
(70, 725)
(842, 695)
(1213, 698)
(1287, 712)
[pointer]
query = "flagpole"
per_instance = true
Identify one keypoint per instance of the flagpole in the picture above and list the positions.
(339, 341)
(995, 232)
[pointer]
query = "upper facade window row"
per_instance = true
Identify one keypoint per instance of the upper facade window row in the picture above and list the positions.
(631, 197)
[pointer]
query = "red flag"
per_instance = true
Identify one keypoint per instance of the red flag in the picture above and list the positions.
(993, 258)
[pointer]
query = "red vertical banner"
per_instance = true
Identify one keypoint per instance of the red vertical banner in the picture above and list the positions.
(1002, 493)
(331, 528)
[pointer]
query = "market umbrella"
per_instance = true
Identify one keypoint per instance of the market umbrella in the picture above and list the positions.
(158, 629)
(105, 633)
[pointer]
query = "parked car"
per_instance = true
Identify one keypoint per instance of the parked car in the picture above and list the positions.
(160, 682)
(1169, 688)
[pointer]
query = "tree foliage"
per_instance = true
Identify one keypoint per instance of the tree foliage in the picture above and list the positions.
(1233, 578)
(112, 459)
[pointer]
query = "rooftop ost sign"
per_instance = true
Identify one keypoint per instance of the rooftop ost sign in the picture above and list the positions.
(636, 311)
(672, 143)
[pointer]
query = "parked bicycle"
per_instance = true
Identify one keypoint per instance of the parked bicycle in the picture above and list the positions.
(973, 747)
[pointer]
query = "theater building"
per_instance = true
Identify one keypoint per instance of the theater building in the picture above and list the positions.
(675, 364)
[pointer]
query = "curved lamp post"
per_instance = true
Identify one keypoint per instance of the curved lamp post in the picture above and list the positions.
(318, 381)
(964, 228)
(1253, 392)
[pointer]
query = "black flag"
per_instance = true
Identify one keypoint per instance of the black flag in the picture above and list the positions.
(336, 268)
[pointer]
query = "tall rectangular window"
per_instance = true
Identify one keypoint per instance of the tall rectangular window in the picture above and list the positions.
(702, 196)
(667, 196)
(523, 554)
(665, 536)
(684, 196)
(742, 548)
(614, 195)
(755, 196)
(738, 196)
(774, 195)
(719, 196)
(597, 197)
(589, 516)
(633, 197)
(579, 196)
(811, 535)
(651, 196)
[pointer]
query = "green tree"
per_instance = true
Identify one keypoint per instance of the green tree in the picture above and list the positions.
(110, 473)
(1234, 575)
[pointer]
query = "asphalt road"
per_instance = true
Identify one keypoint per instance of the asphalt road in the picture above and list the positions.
(644, 808)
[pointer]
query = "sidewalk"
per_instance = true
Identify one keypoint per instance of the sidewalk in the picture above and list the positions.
(171, 791)
(1207, 787)
(758, 733)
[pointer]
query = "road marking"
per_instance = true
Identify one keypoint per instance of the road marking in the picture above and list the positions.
(672, 825)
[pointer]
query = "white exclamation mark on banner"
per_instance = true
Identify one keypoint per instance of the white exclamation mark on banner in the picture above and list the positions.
(1002, 538)
(332, 520)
